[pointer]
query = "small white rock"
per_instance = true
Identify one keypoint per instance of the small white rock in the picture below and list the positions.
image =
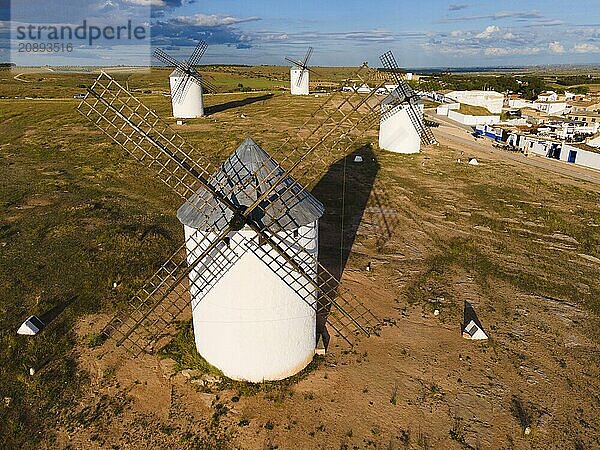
(436, 312)
(527, 431)
(31, 371)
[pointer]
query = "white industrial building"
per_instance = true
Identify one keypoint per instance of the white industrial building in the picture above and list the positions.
(452, 111)
(250, 323)
(548, 96)
(443, 109)
(518, 103)
(189, 103)
(579, 154)
(397, 132)
(568, 130)
(550, 107)
(491, 100)
(593, 141)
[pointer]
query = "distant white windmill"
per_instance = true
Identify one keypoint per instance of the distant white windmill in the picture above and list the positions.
(300, 74)
(186, 83)
(402, 128)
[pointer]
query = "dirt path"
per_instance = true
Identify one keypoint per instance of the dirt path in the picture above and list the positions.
(459, 137)
(18, 78)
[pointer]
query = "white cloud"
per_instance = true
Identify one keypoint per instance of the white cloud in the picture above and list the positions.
(508, 51)
(159, 3)
(203, 20)
(489, 31)
(556, 47)
(546, 23)
(586, 48)
(522, 16)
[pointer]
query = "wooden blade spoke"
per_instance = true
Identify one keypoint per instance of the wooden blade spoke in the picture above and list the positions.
(163, 56)
(307, 57)
(293, 61)
(195, 268)
(181, 88)
(198, 53)
(389, 62)
(300, 270)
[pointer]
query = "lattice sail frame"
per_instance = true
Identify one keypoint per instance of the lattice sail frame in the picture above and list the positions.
(409, 98)
(333, 128)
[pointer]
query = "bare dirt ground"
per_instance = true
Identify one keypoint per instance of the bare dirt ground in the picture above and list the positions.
(417, 385)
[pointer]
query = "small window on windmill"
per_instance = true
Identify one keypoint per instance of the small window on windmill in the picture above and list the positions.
(296, 233)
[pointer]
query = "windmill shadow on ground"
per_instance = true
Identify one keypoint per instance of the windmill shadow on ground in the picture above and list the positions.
(344, 190)
(56, 311)
(235, 104)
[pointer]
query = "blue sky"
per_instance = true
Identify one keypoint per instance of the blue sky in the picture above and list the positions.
(425, 33)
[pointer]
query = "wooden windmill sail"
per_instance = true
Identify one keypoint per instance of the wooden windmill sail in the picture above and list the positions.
(329, 132)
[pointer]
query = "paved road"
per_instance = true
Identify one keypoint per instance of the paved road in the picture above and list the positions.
(459, 136)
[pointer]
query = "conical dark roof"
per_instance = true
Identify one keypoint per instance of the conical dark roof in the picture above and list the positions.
(242, 178)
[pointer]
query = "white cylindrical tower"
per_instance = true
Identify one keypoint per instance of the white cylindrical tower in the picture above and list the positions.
(397, 132)
(250, 321)
(191, 104)
(295, 75)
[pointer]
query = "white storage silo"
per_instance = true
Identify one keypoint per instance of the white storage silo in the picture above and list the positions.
(250, 322)
(189, 105)
(397, 132)
(296, 74)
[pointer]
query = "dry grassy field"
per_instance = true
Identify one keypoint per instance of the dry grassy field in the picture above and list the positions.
(521, 243)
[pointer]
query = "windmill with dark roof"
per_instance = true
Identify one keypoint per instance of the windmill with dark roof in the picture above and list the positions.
(249, 263)
(251, 323)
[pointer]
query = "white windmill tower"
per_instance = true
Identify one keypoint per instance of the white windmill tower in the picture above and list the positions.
(402, 128)
(249, 264)
(186, 83)
(300, 74)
